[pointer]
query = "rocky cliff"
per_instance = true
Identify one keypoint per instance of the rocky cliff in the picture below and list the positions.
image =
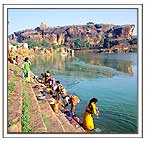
(65, 35)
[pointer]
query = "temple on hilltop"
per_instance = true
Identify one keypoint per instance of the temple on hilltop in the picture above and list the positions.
(43, 26)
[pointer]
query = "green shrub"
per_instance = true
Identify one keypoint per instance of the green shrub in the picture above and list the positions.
(14, 43)
(10, 123)
(44, 43)
(44, 118)
(32, 43)
(56, 46)
(15, 71)
(80, 43)
(11, 87)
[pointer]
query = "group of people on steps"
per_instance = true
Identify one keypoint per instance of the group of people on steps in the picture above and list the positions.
(57, 91)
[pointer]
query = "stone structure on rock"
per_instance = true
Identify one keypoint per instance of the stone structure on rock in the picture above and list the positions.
(21, 49)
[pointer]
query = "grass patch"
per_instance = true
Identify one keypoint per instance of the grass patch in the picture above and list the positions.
(25, 121)
(9, 66)
(15, 71)
(44, 118)
(11, 87)
(10, 123)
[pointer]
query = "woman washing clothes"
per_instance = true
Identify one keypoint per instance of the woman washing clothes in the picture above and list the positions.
(91, 109)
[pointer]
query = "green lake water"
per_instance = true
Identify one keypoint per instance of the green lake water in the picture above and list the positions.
(111, 78)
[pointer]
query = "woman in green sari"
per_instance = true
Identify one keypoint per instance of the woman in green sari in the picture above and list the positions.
(26, 69)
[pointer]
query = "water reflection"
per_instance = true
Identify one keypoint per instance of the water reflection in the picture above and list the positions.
(86, 65)
(112, 61)
(56, 63)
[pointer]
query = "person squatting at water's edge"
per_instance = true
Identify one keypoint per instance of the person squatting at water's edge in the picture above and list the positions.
(57, 91)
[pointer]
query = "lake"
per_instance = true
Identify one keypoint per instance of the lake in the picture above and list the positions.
(111, 78)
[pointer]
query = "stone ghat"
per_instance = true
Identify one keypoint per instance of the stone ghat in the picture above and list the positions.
(42, 117)
(56, 122)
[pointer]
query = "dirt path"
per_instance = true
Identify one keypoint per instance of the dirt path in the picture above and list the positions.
(15, 101)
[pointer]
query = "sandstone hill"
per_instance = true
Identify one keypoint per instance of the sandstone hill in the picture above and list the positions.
(95, 34)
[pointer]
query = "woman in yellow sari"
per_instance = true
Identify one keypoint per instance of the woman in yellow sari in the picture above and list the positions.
(88, 119)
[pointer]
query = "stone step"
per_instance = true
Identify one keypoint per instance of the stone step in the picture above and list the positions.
(52, 123)
(50, 119)
(36, 121)
(56, 122)
(73, 127)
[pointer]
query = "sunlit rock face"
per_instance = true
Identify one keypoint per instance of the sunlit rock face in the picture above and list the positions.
(65, 35)
(124, 31)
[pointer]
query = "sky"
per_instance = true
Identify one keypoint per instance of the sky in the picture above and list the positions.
(20, 19)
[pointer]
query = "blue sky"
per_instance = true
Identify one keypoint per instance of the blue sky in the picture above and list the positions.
(20, 19)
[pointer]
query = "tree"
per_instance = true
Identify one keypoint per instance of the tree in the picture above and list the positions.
(132, 41)
(88, 45)
(77, 43)
(44, 43)
(56, 46)
(13, 42)
(98, 26)
(106, 43)
(90, 23)
(32, 43)
(80, 43)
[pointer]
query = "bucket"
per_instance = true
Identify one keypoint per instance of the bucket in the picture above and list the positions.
(55, 107)
(40, 96)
